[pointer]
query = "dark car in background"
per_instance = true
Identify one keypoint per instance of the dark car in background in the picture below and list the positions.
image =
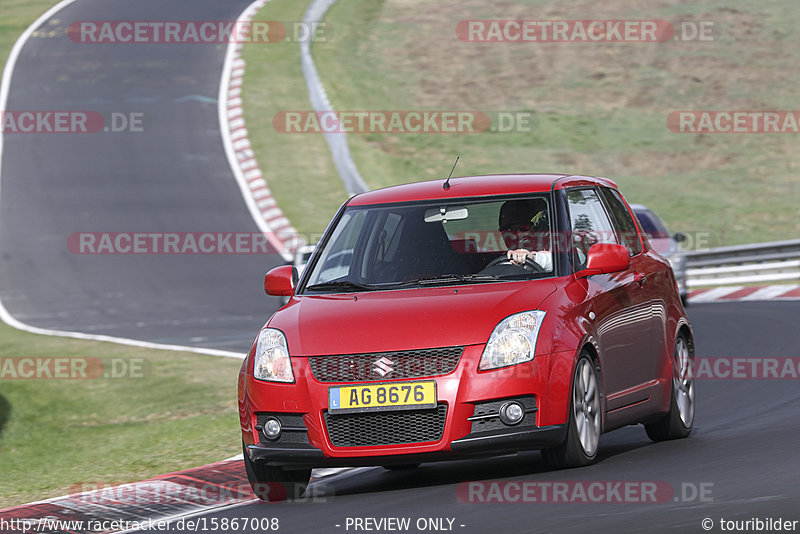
(666, 244)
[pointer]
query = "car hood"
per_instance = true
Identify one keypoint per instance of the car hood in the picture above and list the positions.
(377, 321)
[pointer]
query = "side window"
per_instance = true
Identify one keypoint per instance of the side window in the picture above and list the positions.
(626, 228)
(590, 224)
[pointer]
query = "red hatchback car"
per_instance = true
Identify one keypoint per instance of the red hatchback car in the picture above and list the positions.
(477, 316)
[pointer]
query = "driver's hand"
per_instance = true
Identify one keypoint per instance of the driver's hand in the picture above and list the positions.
(518, 256)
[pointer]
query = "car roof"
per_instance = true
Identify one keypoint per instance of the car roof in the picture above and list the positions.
(477, 186)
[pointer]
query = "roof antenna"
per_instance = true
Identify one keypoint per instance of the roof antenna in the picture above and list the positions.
(446, 185)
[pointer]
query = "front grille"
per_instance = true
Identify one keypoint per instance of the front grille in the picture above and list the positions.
(386, 428)
(385, 365)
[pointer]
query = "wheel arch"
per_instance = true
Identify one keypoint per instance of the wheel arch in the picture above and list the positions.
(589, 346)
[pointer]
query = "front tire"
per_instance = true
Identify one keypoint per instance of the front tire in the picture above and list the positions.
(274, 483)
(678, 422)
(585, 419)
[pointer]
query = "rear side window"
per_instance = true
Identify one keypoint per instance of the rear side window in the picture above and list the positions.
(589, 222)
(622, 219)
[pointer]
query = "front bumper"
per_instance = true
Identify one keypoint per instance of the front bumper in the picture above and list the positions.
(479, 444)
(465, 397)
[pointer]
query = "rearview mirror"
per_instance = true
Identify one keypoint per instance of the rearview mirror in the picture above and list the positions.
(604, 258)
(281, 281)
(446, 213)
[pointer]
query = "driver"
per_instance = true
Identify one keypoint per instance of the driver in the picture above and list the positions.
(525, 230)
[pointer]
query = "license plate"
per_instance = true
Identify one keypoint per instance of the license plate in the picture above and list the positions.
(390, 396)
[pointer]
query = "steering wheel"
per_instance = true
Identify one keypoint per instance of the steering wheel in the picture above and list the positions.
(529, 265)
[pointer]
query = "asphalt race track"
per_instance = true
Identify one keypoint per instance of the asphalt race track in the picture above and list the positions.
(172, 176)
(739, 463)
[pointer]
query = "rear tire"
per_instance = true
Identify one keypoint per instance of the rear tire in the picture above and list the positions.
(585, 419)
(275, 483)
(678, 422)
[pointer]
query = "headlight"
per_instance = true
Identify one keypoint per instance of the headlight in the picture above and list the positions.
(272, 357)
(512, 341)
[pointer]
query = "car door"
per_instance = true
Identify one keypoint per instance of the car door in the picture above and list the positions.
(619, 301)
(652, 272)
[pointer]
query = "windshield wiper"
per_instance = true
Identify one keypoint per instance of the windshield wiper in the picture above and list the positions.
(340, 285)
(449, 279)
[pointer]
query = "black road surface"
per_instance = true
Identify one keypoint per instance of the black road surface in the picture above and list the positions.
(171, 177)
(741, 461)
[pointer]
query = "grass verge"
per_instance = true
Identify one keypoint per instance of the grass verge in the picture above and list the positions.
(601, 107)
(167, 411)
(16, 16)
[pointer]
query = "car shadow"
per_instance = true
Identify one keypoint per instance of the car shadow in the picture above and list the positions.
(527, 465)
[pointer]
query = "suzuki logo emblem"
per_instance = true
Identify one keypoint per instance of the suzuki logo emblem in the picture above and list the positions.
(383, 366)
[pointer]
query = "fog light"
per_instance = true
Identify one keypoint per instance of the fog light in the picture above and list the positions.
(511, 413)
(272, 428)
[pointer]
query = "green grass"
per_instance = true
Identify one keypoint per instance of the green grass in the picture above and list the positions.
(601, 108)
(15, 17)
(178, 412)
(297, 167)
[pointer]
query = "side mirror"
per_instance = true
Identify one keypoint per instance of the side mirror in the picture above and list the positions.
(604, 258)
(281, 281)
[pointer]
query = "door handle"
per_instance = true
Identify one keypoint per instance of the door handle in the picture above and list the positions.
(640, 278)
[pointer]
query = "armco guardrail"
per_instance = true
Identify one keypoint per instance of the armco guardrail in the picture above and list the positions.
(337, 141)
(744, 264)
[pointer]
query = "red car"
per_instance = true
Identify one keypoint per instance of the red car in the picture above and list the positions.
(477, 316)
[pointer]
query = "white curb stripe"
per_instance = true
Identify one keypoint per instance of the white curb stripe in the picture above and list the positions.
(252, 183)
(722, 294)
(716, 293)
(769, 292)
(241, 143)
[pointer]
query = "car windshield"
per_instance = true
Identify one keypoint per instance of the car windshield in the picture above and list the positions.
(651, 224)
(394, 246)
